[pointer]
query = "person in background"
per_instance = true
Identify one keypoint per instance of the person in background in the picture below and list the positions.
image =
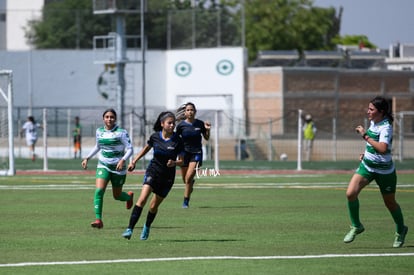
(191, 131)
(309, 132)
(240, 150)
(77, 139)
(114, 147)
(376, 164)
(160, 173)
(29, 129)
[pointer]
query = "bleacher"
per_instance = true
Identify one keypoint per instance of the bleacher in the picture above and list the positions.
(276, 58)
(345, 57)
(366, 59)
(323, 59)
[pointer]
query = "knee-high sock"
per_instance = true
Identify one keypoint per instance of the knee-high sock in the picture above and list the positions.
(135, 214)
(353, 209)
(398, 219)
(98, 202)
(150, 218)
(124, 197)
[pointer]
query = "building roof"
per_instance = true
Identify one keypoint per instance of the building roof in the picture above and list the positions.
(348, 58)
(276, 58)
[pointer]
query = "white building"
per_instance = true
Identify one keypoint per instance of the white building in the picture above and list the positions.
(14, 16)
(401, 57)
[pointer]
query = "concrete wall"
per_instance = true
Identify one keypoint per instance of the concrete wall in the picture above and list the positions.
(67, 78)
(19, 13)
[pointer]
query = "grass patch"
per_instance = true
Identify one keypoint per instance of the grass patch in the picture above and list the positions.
(75, 164)
(46, 219)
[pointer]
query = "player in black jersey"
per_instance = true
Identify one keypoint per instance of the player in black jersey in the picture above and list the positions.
(160, 173)
(191, 131)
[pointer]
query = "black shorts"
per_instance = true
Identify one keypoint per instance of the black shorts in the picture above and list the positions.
(160, 186)
(192, 157)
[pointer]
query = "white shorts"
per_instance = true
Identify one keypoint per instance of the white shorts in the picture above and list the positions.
(30, 141)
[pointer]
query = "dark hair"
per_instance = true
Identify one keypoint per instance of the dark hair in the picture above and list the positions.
(110, 110)
(383, 105)
(161, 117)
(31, 118)
(180, 113)
(192, 104)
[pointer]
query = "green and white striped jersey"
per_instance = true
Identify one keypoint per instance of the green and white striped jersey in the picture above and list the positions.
(374, 161)
(112, 145)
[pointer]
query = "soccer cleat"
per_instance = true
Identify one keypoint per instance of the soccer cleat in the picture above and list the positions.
(97, 224)
(127, 233)
(130, 202)
(145, 232)
(400, 238)
(186, 203)
(353, 232)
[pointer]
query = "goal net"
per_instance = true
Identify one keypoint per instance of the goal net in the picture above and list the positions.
(6, 124)
(405, 133)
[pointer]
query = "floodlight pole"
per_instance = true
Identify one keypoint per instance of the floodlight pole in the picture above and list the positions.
(144, 108)
(120, 65)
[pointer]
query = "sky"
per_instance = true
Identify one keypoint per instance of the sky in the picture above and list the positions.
(384, 22)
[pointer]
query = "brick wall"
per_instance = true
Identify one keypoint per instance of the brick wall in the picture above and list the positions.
(276, 94)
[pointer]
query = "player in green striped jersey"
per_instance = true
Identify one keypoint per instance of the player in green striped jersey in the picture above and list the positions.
(376, 164)
(114, 147)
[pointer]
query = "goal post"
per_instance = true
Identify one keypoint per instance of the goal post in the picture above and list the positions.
(7, 167)
(405, 125)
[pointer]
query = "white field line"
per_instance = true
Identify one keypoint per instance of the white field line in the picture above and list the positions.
(292, 185)
(209, 258)
(263, 185)
(178, 186)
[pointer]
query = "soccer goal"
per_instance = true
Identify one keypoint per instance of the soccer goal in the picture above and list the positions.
(405, 132)
(6, 124)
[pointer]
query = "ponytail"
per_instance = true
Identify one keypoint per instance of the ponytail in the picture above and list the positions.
(161, 117)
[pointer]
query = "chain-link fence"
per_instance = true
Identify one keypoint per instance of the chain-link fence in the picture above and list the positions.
(226, 136)
(164, 29)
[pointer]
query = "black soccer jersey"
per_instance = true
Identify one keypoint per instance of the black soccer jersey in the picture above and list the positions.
(163, 150)
(191, 135)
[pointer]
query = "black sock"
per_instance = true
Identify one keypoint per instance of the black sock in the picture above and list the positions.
(150, 218)
(135, 214)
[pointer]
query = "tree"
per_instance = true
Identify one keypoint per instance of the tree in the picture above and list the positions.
(67, 24)
(269, 25)
(287, 25)
(361, 41)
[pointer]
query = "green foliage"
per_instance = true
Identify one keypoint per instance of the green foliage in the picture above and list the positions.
(67, 24)
(355, 40)
(286, 25)
(269, 25)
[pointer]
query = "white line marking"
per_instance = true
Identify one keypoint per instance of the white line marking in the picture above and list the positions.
(209, 258)
(264, 185)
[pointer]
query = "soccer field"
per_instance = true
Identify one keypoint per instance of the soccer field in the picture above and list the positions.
(238, 223)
